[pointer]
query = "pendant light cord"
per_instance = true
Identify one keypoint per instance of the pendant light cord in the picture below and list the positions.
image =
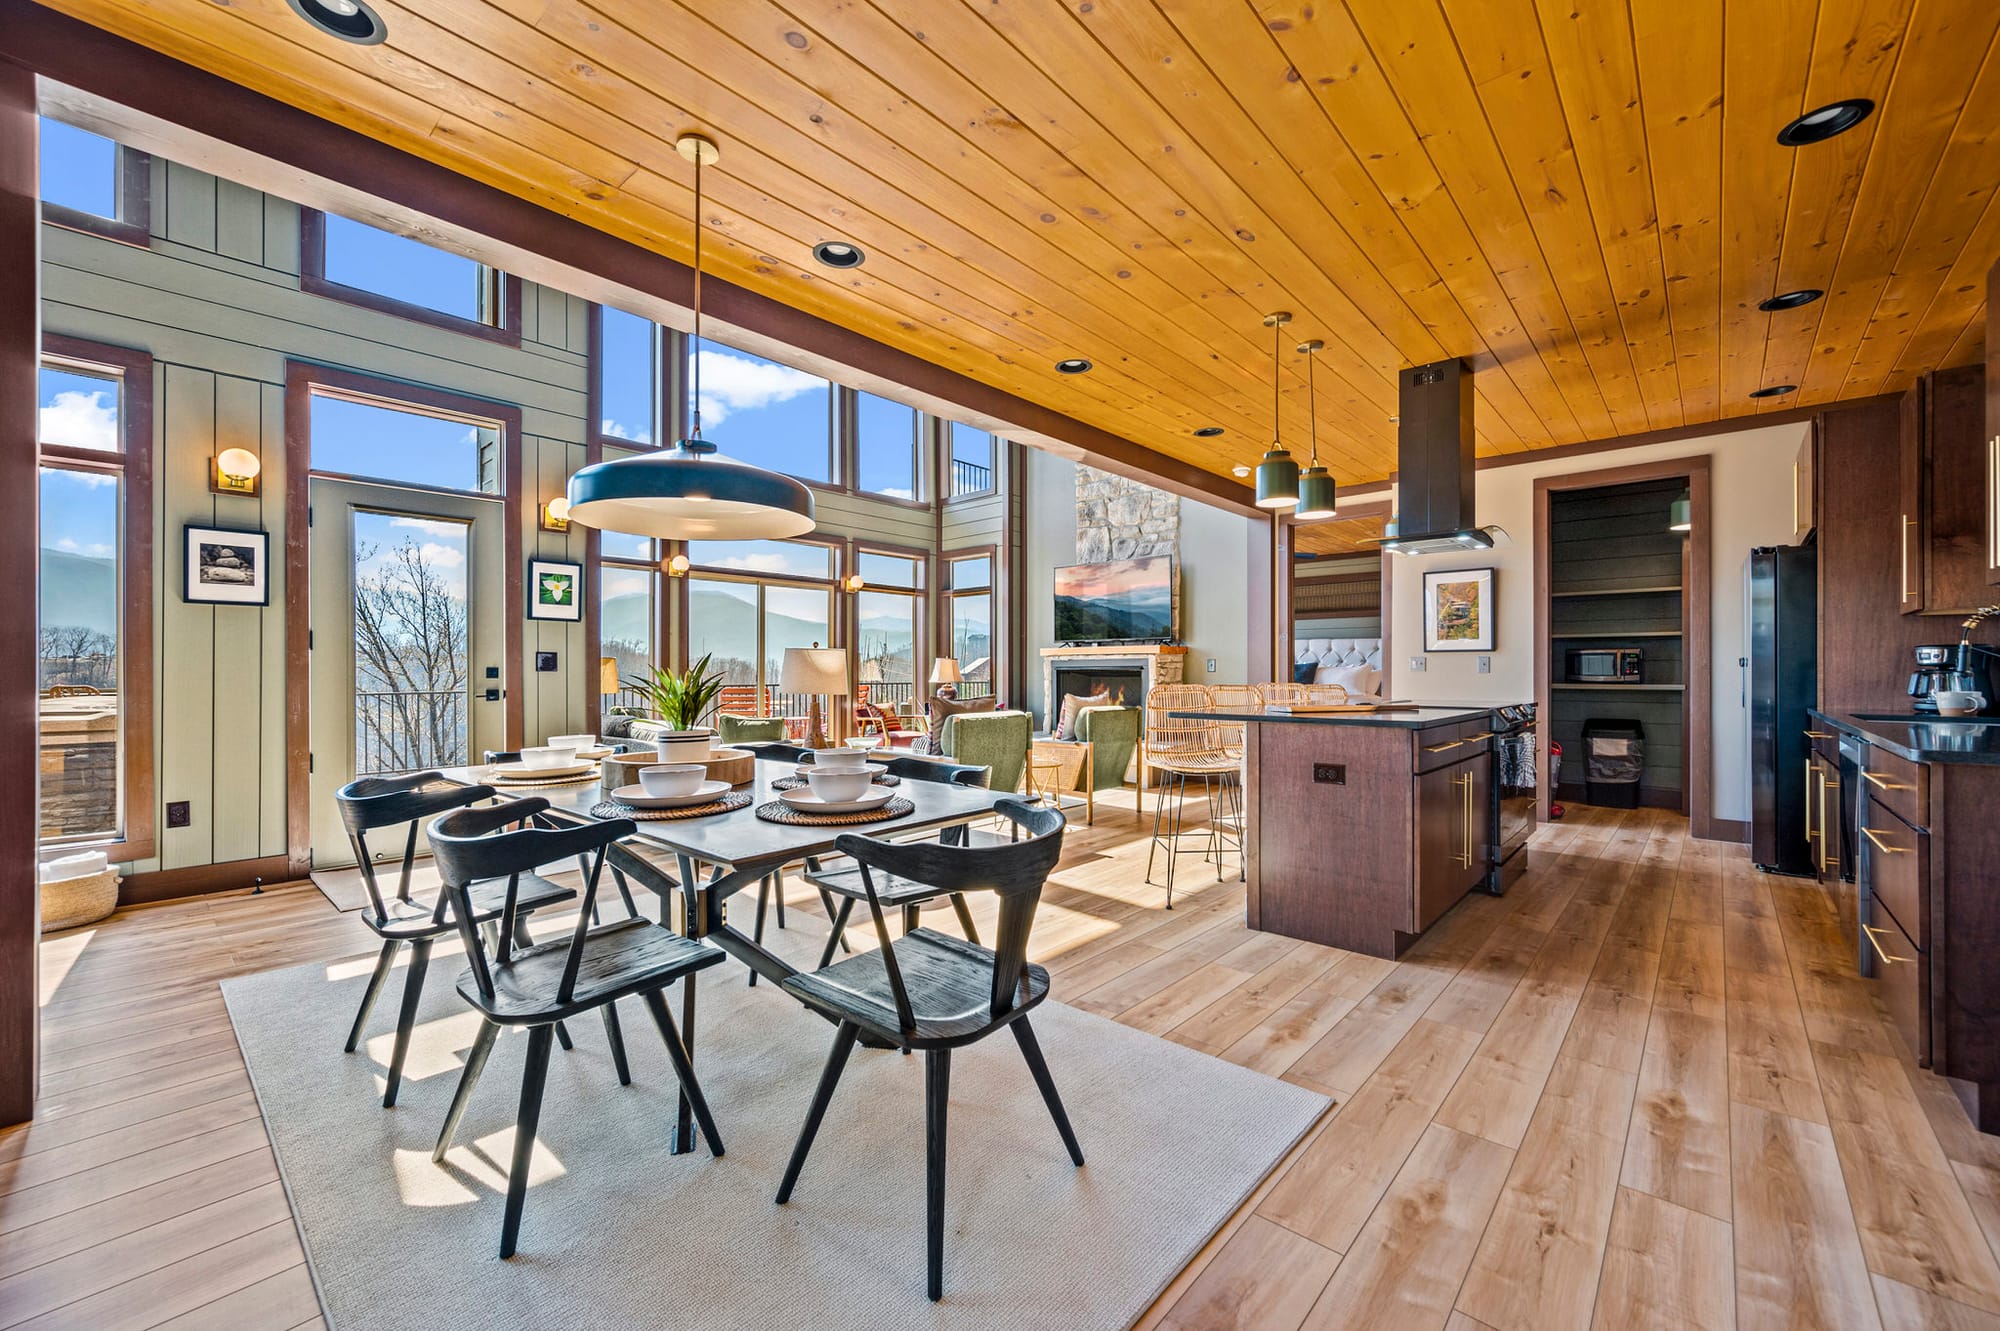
(1312, 406)
(1277, 343)
(695, 357)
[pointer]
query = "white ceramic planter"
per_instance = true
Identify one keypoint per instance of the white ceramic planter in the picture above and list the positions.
(686, 746)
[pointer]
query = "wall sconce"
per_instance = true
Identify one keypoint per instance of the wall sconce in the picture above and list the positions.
(555, 514)
(234, 471)
(676, 566)
(852, 583)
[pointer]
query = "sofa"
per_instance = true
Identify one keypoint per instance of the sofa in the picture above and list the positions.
(1353, 662)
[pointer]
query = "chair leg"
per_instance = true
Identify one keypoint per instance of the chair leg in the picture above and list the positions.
(625, 891)
(839, 916)
(778, 891)
(383, 965)
(475, 1064)
(937, 1099)
(757, 934)
(964, 916)
(843, 1045)
(525, 1127)
(1159, 811)
(1031, 1049)
(406, 1020)
(912, 918)
(562, 1036)
(616, 1037)
(839, 930)
(683, 1068)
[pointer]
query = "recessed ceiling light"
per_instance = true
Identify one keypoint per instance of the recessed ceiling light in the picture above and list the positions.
(1790, 300)
(1208, 432)
(1239, 470)
(1776, 390)
(1074, 365)
(839, 254)
(1829, 120)
(349, 20)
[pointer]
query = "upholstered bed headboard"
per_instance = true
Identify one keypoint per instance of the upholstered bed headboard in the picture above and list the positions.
(1338, 659)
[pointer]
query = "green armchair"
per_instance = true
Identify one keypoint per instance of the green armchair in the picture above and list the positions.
(731, 729)
(1109, 736)
(996, 740)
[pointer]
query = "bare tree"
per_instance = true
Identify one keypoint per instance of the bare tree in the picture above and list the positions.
(410, 663)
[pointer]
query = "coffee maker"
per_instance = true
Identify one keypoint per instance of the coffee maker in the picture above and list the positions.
(1947, 668)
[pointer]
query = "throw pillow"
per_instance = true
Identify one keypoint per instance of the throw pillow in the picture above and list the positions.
(943, 709)
(1359, 680)
(1303, 672)
(1074, 703)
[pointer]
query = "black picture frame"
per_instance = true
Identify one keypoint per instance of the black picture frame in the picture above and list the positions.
(225, 566)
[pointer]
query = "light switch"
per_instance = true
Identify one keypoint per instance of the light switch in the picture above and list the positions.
(1485, 665)
(1417, 664)
(1211, 665)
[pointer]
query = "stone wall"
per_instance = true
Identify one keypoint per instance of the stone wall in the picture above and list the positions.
(1121, 519)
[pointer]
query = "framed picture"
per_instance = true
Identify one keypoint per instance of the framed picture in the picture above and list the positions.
(1458, 610)
(226, 567)
(555, 590)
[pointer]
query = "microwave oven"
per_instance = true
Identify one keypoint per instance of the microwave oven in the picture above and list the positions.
(1611, 665)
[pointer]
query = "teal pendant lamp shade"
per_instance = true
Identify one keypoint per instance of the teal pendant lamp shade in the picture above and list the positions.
(1316, 490)
(1277, 473)
(1680, 514)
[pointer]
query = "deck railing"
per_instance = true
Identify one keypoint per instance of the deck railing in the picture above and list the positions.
(409, 731)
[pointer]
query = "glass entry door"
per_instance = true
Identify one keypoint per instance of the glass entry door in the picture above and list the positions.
(407, 620)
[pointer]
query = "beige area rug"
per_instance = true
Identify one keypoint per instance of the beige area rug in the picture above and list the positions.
(619, 1233)
(344, 888)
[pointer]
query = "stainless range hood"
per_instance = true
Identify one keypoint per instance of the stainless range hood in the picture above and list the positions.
(1434, 470)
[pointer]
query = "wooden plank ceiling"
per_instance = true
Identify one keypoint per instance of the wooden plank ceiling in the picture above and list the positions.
(1338, 536)
(1588, 200)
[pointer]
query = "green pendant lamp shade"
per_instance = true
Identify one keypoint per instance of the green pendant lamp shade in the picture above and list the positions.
(1278, 473)
(690, 491)
(1680, 514)
(1317, 494)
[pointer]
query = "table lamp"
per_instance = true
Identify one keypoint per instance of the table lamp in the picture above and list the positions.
(813, 671)
(945, 672)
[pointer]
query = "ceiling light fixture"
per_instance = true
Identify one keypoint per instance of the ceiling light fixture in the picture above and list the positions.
(1680, 513)
(1790, 300)
(1277, 474)
(1074, 365)
(1776, 390)
(1208, 432)
(1829, 120)
(1239, 470)
(839, 254)
(690, 491)
(349, 20)
(1317, 493)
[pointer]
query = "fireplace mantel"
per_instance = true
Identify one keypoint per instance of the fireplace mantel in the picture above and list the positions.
(1157, 664)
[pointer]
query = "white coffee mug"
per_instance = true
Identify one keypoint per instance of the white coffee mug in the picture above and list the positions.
(1958, 702)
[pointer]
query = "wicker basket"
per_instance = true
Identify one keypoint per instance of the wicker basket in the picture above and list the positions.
(74, 901)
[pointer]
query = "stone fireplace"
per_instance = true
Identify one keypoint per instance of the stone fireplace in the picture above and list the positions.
(1085, 670)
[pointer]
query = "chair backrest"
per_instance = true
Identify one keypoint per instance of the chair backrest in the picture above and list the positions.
(1235, 697)
(1326, 693)
(1282, 692)
(777, 751)
(1169, 737)
(997, 740)
(929, 769)
(1112, 733)
(473, 845)
(374, 802)
(1014, 870)
(733, 730)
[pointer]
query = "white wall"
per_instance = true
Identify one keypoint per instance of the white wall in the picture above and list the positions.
(1751, 478)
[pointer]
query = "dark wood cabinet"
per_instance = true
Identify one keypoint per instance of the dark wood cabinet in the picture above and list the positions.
(1451, 829)
(1823, 818)
(1895, 923)
(1993, 424)
(1944, 494)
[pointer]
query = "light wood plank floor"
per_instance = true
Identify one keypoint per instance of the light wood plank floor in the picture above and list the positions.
(1642, 1089)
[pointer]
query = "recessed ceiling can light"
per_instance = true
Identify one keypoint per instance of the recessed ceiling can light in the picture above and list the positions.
(1208, 432)
(1239, 470)
(349, 20)
(1776, 390)
(839, 254)
(1790, 300)
(1829, 120)
(1074, 365)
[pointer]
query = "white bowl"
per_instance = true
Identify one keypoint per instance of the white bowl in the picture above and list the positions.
(839, 787)
(673, 778)
(840, 760)
(548, 755)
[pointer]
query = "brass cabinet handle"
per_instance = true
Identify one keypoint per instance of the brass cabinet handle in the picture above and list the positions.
(1908, 522)
(1818, 734)
(1464, 819)
(1870, 931)
(1809, 801)
(1474, 739)
(1993, 501)
(1882, 782)
(1440, 748)
(1882, 845)
(1827, 859)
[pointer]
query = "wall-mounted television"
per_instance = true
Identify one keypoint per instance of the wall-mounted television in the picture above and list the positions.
(1122, 600)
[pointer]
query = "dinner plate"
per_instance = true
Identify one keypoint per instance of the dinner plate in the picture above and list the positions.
(637, 798)
(595, 754)
(873, 769)
(523, 772)
(803, 798)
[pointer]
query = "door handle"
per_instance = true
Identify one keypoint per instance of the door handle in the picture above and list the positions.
(1881, 782)
(1464, 820)
(1809, 801)
(1869, 931)
(1440, 748)
(1882, 845)
(1818, 734)
(1908, 522)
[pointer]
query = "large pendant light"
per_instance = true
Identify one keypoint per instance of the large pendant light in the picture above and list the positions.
(1277, 474)
(690, 491)
(1317, 495)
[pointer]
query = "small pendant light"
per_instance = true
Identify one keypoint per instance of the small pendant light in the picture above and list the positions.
(1680, 514)
(1277, 474)
(1316, 489)
(690, 491)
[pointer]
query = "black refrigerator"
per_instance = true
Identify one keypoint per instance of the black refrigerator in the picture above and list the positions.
(1781, 609)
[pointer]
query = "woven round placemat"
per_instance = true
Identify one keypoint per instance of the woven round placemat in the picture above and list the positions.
(777, 811)
(580, 779)
(735, 799)
(795, 782)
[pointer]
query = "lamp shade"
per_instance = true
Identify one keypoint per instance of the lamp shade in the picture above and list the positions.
(1277, 480)
(1680, 514)
(814, 670)
(1317, 494)
(690, 492)
(607, 674)
(945, 670)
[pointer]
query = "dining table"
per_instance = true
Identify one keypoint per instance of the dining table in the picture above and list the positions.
(722, 854)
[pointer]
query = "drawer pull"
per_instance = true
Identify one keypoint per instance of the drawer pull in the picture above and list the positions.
(1882, 845)
(1819, 734)
(1870, 930)
(1474, 739)
(1440, 748)
(1882, 783)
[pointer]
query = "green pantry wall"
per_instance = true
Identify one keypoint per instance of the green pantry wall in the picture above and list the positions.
(215, 299)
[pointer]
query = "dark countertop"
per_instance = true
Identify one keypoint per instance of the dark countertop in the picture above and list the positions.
(1922, 739)
(1422, 718)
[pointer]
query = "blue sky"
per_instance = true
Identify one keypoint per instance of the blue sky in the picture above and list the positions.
(79, 169)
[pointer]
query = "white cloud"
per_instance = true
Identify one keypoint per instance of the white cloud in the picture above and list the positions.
(620, 430)
(897, 492)
(442, 556)
(81, 420)
(430, 526)
(736, 383)
(96, 550)
(756, 563)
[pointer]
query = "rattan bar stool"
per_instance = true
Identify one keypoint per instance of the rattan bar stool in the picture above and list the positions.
(1185, 748)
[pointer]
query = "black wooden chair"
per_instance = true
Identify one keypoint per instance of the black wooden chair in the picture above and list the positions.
(373, 803)
(539, 985)
(929, 991)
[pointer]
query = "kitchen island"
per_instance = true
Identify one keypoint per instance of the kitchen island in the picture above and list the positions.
(1363, 828)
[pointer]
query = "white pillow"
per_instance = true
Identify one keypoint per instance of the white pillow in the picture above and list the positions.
(1359, 680)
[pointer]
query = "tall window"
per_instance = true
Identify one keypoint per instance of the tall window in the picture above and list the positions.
(885, 447)
(972, 622)
(750, 600)
(886, 638)
(628, 377)
(363, 264)
(91, 183)
(392, 441)
(971, 461)
(771, 415)
(95, 635)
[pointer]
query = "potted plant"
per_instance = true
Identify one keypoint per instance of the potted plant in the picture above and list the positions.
(681, 701)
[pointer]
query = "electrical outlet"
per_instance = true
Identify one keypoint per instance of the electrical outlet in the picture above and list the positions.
(1485, 665)
(1417, 664)
(1211, 665)
(1330, 774)
(179, 814)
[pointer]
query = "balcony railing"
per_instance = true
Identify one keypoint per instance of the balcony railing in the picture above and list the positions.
(409, 731)
(969, 478)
